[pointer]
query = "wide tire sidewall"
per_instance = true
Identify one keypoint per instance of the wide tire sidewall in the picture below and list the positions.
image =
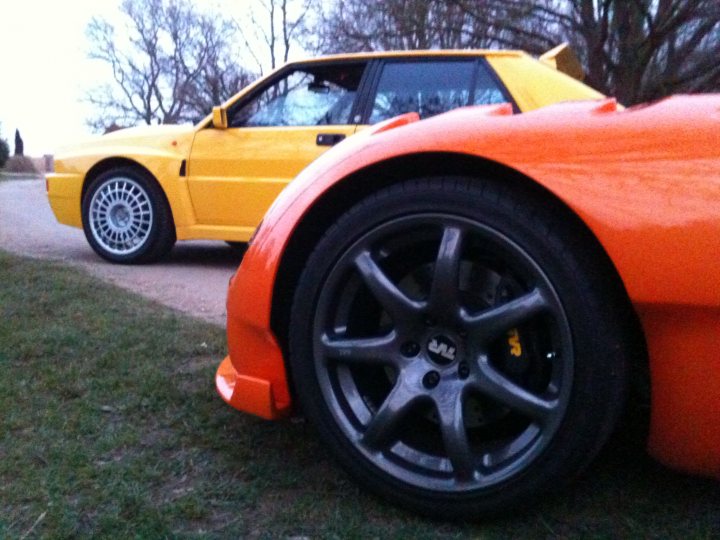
(599, 377)
(162, 231)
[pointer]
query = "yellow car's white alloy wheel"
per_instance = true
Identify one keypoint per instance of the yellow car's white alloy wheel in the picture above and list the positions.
(121, 216)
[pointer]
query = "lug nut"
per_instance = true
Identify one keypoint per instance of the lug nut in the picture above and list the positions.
(431, 379)
(463, 370)
(410, 349)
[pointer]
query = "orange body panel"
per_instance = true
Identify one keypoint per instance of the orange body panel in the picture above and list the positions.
(684, 372)
(646, 181)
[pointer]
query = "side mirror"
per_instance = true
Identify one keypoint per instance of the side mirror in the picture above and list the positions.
(219, 118)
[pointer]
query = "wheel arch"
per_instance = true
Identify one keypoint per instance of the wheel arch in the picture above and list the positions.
(165, 235)
(107, 164)
(110, 163)
(349, 190)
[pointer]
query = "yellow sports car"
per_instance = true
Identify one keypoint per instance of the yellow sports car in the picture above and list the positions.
(135, 191)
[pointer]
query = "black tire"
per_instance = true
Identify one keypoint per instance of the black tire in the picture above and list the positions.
(458, 346)
(237, 246)
(126, 217)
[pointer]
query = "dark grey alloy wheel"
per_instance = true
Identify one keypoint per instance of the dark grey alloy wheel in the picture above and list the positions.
(436, 352)
(126, 218)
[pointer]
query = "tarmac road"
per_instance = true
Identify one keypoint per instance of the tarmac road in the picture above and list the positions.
(193, 279)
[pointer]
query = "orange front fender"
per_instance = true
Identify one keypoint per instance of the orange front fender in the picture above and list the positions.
(645, 182)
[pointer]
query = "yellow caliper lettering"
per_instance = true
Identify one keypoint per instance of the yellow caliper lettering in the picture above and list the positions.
(514, 342)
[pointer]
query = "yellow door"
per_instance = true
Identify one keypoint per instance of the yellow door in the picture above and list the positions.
(235, 174)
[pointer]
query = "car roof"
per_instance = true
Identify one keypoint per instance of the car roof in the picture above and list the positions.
(408, 54)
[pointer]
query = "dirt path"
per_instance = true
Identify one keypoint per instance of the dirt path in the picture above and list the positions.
(193, 279)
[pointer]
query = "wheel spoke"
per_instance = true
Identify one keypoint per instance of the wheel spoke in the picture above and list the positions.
(492, 323)
(374, 350)
(392, 299)
(452, 426)
(496, 386)
(137, 200)
(504, 452)
(383, 426)
(444, 297)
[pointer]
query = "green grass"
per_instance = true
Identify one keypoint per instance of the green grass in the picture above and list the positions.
(110, 427)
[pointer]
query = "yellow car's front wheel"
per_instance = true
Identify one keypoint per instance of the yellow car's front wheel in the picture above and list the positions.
(126, 218)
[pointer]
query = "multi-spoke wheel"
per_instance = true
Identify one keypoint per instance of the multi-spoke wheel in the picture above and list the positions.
(444, 342)
(126, 218)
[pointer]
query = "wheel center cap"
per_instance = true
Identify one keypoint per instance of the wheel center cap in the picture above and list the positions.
(120, 216)
(442, 350)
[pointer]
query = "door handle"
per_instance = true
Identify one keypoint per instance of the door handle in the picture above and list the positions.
(329, 139)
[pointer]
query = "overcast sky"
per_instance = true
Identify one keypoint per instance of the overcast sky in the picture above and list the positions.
(45, 72)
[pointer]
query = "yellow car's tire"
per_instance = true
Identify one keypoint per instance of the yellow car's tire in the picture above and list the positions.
(126, 217)
(240, 247)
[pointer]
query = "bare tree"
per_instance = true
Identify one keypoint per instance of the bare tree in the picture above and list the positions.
(636, 50)
(277, 26)
(170, 63)
(427, 24)
(394, 24)
(647, 49)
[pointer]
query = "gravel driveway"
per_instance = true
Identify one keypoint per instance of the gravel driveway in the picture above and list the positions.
(193, 279)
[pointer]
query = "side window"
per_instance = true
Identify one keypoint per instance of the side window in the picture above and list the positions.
(317, 96)
(432, 87)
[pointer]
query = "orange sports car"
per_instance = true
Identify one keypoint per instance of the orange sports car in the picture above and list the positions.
(460, 304)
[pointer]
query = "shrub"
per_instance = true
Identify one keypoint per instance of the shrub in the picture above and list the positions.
(20, 164)
(4, 152)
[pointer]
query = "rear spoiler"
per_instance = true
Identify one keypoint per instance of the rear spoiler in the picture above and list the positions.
(564, 59)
